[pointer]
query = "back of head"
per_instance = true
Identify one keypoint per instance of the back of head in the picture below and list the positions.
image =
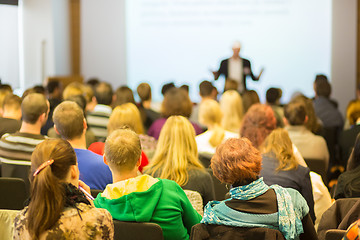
(312, 123)
(353, 112)
(122, 150)
(232, 107)
(236, 162)
(279, 144)
(206, 88)
(123, 95)
(93, 82)
(125, 115)
(47, 188)
(52, 86)
(250, 98)
(166, 87)
(258, 123)
(295, 113)
(176, 102)
(273, 95)
(6, 87)
(33, 106)
(68, 119)
(176, 151)
(144, 92)
(103, 93)
(79, 100)
(210, 113)
(12, 102)
(322, 86)
(73, 89)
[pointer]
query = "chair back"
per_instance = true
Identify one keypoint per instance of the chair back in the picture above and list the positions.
(137, 231)
(318, 166)
(220, 188)
(331, 136)
(334, 234)
(13, 193)
(95, 192)
(203, 231)
(205, 159)
(195, 200)
(10, 170)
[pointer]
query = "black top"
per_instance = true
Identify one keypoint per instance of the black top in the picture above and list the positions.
(348, 185)
(298, 179)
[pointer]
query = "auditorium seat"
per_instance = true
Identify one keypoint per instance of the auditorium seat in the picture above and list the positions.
(220, 188)
(137, 231)
(318, 166)
(13, 193)
(334, 234)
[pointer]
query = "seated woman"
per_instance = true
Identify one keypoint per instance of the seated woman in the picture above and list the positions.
(280, 167)
(252, 202)
(57, 208)
(210, 115)
(176, 158)
(348, 185)
(128, 115)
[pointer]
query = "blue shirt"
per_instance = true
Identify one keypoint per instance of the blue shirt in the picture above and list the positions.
(93, 171)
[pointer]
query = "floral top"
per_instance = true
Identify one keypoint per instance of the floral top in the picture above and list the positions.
(86, 222)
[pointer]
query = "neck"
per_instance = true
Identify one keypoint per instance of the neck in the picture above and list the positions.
(235, 56)
(147, 104)
(79, 142)
(30, 128)
(121, 176)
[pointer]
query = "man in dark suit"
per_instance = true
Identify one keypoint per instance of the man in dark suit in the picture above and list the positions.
(235, 69)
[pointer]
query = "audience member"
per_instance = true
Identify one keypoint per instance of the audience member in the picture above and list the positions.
(309, 145)
(143, 198)
(99, 117)
(206, 91)
(10, 121)
(54, 95)
(5, 87)
(232, 107)
(273, 96)
(128, 115)
(167, 87)
(39, 89)
(279, 166)
(210, 115)
(325, 108)
(89, 135)
(348, 184)
(16, 148)
(57, 208)
(3, 94)
(92, 82)
(176, 158)
(123, 95)
(70, 124)
(150, 116)
(347, 137)
(176, 102)
(313, 123)
(253, 203)
(249, 98)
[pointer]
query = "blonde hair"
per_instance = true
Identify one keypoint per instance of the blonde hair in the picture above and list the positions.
(278, 143)
(73, 89)
(232, 107)
(177, 151)
(126, 114)
(210, 115)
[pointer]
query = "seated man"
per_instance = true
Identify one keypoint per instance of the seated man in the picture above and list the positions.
(143, 198)
(10, 121)
(70, 124)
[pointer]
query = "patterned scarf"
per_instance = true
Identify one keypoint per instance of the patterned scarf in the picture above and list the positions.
(289, 219)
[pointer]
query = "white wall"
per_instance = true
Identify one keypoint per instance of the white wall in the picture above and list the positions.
(44, 43)
(9, 45)
(344, 51)
(103, 41)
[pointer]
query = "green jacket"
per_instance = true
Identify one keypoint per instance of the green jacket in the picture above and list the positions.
(164, 203)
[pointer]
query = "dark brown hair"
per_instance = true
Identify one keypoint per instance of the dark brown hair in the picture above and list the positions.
(144, 92)
(295, 113)
(47, 191)
(176, 102)
(123, 95)
(236, 161)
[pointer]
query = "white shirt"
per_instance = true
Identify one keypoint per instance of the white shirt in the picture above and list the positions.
(235, 72)
(202, 141)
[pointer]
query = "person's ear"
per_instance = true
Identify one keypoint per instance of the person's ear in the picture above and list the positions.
(74, 172)
(138, 163)
(84, 124)
(306, 119)
(285, 121)
(56, 130)
(105, 160)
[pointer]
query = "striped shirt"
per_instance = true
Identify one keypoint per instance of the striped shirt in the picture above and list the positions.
(17, 148)
(98, 119)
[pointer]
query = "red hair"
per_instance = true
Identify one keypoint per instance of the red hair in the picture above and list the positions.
(236, 161)
(258, 123)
